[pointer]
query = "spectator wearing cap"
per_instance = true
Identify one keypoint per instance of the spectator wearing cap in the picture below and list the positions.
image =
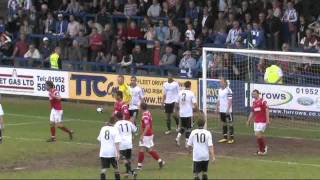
(162, 32)
(73, 27)
(234, 33)
(187, 64)
(45, 49)
(61, 25)
(21, 47)
(155, 9)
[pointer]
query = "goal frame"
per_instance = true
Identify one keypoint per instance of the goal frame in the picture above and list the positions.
(205, 51)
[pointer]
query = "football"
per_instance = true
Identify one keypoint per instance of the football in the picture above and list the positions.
(99, 109)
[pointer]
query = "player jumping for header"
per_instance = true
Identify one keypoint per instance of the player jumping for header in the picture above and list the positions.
(56, 116)
(260, 113)
(121, 106)
(146, 138)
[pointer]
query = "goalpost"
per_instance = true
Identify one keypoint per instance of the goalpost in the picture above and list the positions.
(294, 102)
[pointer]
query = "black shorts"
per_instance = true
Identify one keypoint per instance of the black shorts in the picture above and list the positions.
(105, 163)
(126, 154)
(226, 117)
(200, 166)
(186, 122)
(134, 111)
(169, 108)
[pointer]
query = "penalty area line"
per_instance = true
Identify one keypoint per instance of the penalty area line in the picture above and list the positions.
(43, 140)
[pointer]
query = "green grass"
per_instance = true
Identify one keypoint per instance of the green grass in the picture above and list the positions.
(27, 129)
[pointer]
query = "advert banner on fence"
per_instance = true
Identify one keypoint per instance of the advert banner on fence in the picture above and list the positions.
(213, 86)
(31, 82)
(290, 100)
(99, 87)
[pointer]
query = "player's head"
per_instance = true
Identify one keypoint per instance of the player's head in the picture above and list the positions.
(119, 96)
(118, 116)
(144, 106)
(49, 85)
(120, 79)
(133, 81)
(187, 84)
(255, 94)
(223, 82)
(170, 77)
(111, 121)
(201, 122)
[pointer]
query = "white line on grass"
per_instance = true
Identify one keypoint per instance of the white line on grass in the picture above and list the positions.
(179, 153)
(96, 121)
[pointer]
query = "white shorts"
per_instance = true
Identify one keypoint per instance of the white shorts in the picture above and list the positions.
(56, 116)
(147, 142)
(260, 127)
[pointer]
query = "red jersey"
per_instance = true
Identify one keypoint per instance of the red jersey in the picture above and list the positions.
(147, 121)
(259, 109)
(121, 106)
(55, 103)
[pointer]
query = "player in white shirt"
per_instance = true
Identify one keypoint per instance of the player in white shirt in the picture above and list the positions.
(1, 123)
(187, 103)
(224, 107)
(170, 97)
(201, 141)
(137, 97)
(109, 149)
(126, 129)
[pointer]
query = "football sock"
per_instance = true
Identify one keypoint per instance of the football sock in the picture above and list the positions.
(225, 131)
(179, 135)
(53, 132)
(188, 132)
(181, 131)
(117, 176)
(154, 155)
(176, 119)
(141, 157)
(65, 129)
(204, 176)
(196, 178)
(261, 144)
(231, 131)
(102, 176)
(128, 167)
(169, 122)
(0, 134)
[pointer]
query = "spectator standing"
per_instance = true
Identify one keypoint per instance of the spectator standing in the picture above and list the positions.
(309, 42)
(190, 33)
(73, 7)
(49, 24)
(220, 23)
(207, 20)
(187, 64)
(150, 35)
(73, 27)
(273, 75)
(273, 30)
(234, 33)
(130, 8)
(61, 25)
(290, 18)
(21, 47)
(174, 34)
(95, 43)
(156, 54)
(192, 11)
(55, 59)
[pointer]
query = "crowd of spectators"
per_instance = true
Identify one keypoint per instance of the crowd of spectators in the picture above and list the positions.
(160, 33)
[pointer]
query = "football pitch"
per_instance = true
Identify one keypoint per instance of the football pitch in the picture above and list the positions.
(293, 152)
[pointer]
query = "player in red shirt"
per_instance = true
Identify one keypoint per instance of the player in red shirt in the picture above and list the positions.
(146, 138)
(56, 116)
(121, 106)
(260, 114)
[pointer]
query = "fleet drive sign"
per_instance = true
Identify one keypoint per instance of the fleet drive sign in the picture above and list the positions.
(98, 87)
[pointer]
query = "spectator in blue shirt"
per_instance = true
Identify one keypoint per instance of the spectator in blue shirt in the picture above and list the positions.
(2, 25)
(192, 11)
(162, 32)
(220, 37)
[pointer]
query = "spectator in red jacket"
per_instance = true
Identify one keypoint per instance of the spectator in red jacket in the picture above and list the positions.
(95, 42)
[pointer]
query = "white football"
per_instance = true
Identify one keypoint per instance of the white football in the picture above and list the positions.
(99, 109)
